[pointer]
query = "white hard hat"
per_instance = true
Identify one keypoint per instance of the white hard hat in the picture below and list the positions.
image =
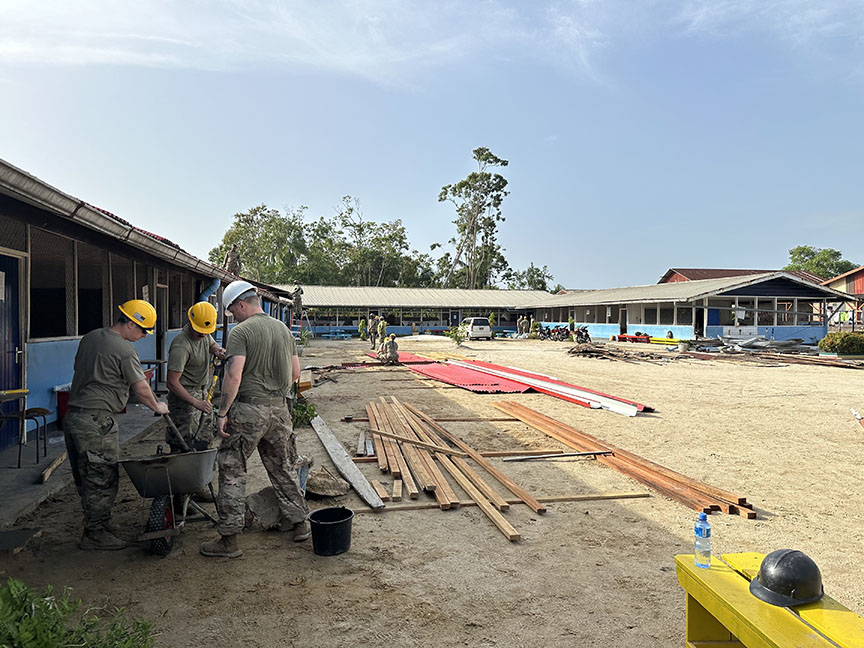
(235, 290)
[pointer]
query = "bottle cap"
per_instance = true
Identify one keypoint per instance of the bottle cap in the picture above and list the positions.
(703, 517)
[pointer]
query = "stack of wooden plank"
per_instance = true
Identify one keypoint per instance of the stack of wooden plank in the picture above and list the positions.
(414, 449)
(690, 492)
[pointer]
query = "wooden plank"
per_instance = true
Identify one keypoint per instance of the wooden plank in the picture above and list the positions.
(361, 444)
(497, 501)
(444, 493)
(511, 485)
(416, 458)
(397, 490)
(391, 449)
(376, 440)
(370, 458)
(688, 491)
(477, 497)
(379, 488)
(444, 419)
(53, 466)
(344, 464)
(421, 506)
(421, 444)
(305, 381)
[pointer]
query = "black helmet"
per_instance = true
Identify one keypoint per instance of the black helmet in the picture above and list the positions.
(786, 578)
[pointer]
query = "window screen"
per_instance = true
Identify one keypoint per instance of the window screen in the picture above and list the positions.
(13, 234)
(52, 285)
(93, 293)
(122, 281)
(175, 298)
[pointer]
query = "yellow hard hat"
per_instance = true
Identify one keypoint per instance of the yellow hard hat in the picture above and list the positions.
(140, 312)
(202, 317)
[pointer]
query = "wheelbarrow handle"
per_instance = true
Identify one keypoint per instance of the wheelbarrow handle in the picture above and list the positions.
(178, 437)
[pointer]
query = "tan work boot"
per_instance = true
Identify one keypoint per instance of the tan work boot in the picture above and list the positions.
(101, 540)
(301, 531)
(223, 547)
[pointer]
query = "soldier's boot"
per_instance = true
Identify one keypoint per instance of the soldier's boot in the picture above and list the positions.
(101, 540)
(222, 547)
(301, 531)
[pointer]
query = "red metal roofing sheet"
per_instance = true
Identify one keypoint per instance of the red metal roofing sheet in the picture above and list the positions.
(407, 358)
(469, 379)
(549, 379)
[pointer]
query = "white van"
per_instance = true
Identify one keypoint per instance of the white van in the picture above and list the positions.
(477, 328)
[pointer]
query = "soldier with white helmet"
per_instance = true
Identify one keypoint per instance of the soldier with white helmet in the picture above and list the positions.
(188, 361)
(253, 413)
(106, 366)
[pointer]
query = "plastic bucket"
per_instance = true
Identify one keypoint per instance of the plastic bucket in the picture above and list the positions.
(331, 530)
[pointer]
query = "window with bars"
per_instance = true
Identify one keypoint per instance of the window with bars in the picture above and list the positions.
(122, 281)
(142, 283)
(175, 296)
(93, 294)
(52, 285)
(13, 234)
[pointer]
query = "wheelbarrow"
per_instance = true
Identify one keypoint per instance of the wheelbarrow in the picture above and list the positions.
(171, 480)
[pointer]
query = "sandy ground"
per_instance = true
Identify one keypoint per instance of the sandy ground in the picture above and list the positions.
(589, 573)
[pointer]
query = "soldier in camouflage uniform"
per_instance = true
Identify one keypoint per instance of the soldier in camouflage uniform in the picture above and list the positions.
(382, 329)
(389, 352)
(253, 413)
(106, 366)
(373, 330)
(188, 360)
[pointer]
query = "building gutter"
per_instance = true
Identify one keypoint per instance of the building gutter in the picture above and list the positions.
(31, 190)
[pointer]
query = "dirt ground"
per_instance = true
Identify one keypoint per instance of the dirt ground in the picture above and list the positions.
(597, 573)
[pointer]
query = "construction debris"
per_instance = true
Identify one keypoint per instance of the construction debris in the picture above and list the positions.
(321, 483)
(604, 352)
(344, 464)
(690, 492)
(546, 500)
(559, 455)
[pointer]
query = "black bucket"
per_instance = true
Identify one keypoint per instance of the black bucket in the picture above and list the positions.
(331, 530)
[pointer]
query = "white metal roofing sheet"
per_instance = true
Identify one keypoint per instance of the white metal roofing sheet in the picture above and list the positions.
(373, 297)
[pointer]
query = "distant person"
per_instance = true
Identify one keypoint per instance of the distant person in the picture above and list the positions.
(233, 262)
(382, 328)
(106, 367)
(373, 330)
(389, 351)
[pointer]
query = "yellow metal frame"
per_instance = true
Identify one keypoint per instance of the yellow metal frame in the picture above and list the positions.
(721, 611)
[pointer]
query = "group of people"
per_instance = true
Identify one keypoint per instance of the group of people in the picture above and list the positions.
(261, 367)
(388, 349)
(523, 325)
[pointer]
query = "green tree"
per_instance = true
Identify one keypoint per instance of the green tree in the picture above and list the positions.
(270, 243)
(822, 262)
(478, 200)
(531, 278)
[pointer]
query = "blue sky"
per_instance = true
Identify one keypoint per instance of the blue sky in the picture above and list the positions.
(640, 135)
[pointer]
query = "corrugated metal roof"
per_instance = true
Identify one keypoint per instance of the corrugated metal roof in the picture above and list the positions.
(374, 297)
(680, 291)
(696, 274)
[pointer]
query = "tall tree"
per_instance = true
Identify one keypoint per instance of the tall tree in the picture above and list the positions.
(268, 241)
(478, 201)
(531, 278)
(822, 262)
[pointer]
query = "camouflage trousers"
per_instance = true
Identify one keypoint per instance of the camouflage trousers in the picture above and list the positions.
(373, 337)
(267, 428)
(93, 447)
(186, 418)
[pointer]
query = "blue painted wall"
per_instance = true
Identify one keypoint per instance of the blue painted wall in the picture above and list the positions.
(52, 362)
(660, 330)
(810, 334)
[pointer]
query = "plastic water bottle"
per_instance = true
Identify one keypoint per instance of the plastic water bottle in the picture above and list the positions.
(702, 542)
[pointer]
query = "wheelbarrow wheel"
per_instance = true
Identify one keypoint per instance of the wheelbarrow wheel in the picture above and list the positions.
(161, 518)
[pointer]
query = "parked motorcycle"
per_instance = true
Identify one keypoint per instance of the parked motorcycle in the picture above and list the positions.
(580, 335)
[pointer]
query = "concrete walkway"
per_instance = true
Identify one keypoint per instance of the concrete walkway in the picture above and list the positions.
(22, 490)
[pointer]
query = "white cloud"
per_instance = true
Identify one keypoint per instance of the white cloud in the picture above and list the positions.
(391, 41)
